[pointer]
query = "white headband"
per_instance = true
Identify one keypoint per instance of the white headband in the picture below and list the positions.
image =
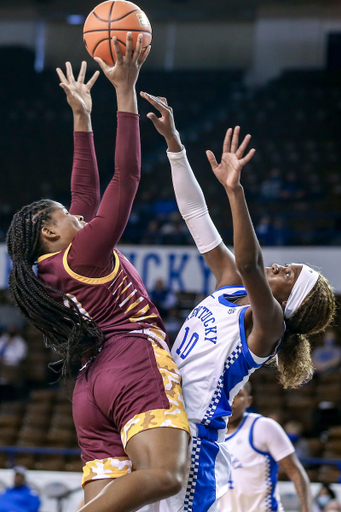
(300, 290)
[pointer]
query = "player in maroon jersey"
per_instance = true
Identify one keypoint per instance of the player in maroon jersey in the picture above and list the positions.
(90, 304)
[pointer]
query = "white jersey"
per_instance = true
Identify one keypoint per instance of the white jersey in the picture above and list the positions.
(255, 447)
(214, 360)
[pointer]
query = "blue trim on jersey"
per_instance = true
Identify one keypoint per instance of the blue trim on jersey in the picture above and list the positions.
(246, 350)
(272, 479)
(227, 438)
(224, 298)
(231, 286)
(235, 370)
(225, 302)
(201, 490)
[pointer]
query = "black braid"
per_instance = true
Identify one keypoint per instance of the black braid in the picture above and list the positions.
(65, 329)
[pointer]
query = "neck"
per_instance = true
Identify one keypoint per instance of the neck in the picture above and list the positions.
(233, 425)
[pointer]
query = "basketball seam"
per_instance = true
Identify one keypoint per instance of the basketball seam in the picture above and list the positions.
(117, 30)
(110, 44)
(117, 19)
(119, 40)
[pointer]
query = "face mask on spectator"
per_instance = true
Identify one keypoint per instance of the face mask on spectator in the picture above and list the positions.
(323, 500)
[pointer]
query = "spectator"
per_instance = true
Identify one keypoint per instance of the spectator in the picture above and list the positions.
(163, 298)
(265, 231)
(323, 498)
(327, 358)
(332, 506)
(9, 315)
(13, 347)
(13, 351)
(20, 497)
(294, 430)
(271, 186)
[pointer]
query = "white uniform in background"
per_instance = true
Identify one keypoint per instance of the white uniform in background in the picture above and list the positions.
(215, 362)
(255, 447)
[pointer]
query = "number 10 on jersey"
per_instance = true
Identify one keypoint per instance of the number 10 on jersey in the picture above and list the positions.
(184, 348)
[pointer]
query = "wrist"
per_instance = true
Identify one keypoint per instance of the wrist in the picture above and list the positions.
(82, 122)
(125, 90)
(236, 190)
(174, 143)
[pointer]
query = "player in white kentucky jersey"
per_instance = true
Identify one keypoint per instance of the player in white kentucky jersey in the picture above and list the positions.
(241, 325)
(257, 446)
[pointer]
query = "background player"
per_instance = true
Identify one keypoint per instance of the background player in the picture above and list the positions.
(241, 325)
(257, 445)
(90, 303)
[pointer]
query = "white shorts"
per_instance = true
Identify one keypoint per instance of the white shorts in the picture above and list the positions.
(207, 482)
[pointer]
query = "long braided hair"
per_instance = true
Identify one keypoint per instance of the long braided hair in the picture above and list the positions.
(65, 329)
(313, 317)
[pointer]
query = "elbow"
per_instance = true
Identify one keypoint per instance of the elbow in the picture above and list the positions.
(248, 268)
(251, 265)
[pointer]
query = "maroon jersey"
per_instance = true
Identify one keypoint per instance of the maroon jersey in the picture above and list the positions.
(117, 302)
(101, 281)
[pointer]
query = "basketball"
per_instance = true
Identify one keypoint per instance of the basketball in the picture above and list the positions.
(114, 18)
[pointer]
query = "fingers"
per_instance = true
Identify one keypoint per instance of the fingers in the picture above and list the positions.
(212, 159)
(247, 157)
(82, 71)
(61, 75)
(157, 102)
(242, 147)
(117, 48)
(93, 79)
(69, 72)
(138, 47)
(153, 117)
(226, 143)
(143, 56)
(105, 68)
(235, 138)
(129, 45)
(65, 87)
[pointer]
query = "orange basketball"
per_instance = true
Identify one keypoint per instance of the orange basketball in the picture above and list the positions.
(114, 18)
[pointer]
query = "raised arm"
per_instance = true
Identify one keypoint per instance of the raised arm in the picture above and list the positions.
(85, 189)
(92, 247)
(265, 319)
(191, 200)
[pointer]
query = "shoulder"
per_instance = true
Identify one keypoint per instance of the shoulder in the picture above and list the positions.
(268, 423)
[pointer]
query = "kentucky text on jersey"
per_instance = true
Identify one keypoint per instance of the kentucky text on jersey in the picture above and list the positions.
(207, 318)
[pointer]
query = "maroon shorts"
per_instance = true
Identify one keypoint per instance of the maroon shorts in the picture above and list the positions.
(131, 386)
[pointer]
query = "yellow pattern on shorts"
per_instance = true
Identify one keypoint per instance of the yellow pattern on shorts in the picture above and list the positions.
(106, 468)
(175, 416)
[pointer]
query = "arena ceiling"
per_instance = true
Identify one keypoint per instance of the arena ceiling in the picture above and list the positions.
(186, 10)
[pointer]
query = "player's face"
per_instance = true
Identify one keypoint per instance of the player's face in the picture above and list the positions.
(65, 224)
(241, 402)
(282, 278)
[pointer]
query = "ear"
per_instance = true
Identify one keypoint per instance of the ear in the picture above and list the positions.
(49, 235)
(249, 401)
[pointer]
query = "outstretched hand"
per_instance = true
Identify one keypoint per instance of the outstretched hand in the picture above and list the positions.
(126, 70)
(77, 92)
(232, 160)
(165, 124)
